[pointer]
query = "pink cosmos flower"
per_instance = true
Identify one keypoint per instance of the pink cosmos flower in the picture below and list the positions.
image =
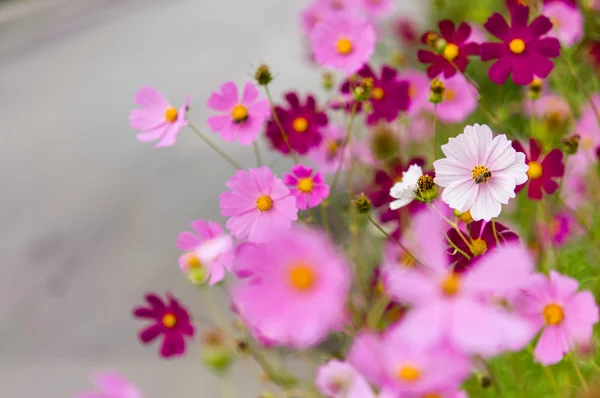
(327, 155)
(460, 100)
(551, 107)
(560, 229)
(286, 293)
(209, 252)
(157, 119)
(448, 307)
(337, 379)
(345, 42)
(309, 188)
(576, 186)
(418, 90)
(378, 8)
(259, 205)
(111, 385)
(403, 369)
(588, 129)
(480, 172)
(311, 15)
(417, 129)
(242, 118)
(478, 35)
(567, 22)
(566, 316)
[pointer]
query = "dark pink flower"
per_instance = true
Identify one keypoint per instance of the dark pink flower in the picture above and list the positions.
(169, 319)
(308, 187)
(456, 51)
(523, 51)
(302, 123)
(542, 169)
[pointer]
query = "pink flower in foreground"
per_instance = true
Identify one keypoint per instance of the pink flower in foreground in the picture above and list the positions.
(566, 316)
(242, 118)
(448, 307)
(259, 205)
(346, 42)
(309, 188)
(396, 366)
(157, 119)
(337, 379)
(460, 100)
(209, 252)
(567, 22)
(480, 172)
(111, 385)
(292, 290)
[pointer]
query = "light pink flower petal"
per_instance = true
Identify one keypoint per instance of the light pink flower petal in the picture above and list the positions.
(154, 134)
(409, 286)
(485, 206)
(146, 119)
(448, 170)
(187, 241)
(581, 313)
(230, 92)
(499, 153)
(562, 287)
(365, 354)
(149, 97)
(169, 137)
(425, 325)
(461, 194)
(551, 346)
(338, 379)
(217, 123)
(250, 93)
(203, 229)
(217, 274)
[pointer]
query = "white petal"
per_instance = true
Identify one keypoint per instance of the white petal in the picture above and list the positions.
(401, 202)
(517, 170)
(458, 149)
(485, 206)
(502, 188)
(461, 194)
(449, 170)
(500, 154)
(484, 140)
(411, 176)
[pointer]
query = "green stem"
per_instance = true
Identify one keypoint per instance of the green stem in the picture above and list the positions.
(495, 233)
(257, 155)
(456, 248)
(434, 133)
(324, 218)
(283, 133)
(215, 148)
(394, 239)
(578, 371)
(344, 145)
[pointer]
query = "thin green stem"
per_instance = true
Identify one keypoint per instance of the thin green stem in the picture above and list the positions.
(435, 140)
(324, 218)
(495, 232)
(283, 133)
(453, 225)
(376, 224)
(257, 154)
(456, 248)
(578, 371)
(344, 145)
(215, 148)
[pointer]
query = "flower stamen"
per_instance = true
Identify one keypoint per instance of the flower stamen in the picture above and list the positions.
(377, 93)
(535, 170)
(553, 314)
(408, 373)
(171, 115)
(481, 174)
(300, 124)
(302, 277)
(451, 52)
(169, 320)
(517, 46)
(344, 46)
(264, 203)
(239, 113)
(305, 185)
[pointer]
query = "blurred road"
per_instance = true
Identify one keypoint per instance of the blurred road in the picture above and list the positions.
(89, 215)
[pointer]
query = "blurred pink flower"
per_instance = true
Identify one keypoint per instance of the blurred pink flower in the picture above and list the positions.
(111, 385)
(378, 8)
(566, 316)
(285, 291)
(588, 129)
(560, 230)
(327, 155)
(460, 100)
(157, 119)
(337, 379)
(309, 188)
(418, 90)
(242, 118)
(567, 22)
(209, 252)
(259, 205)
(551, 107)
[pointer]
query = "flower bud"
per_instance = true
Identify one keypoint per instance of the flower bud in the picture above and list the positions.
(457, 213)
(263, 75)
(362, 204)
(215, 352)
(362, 92)
(427, 191)
(535, 88)
(385, 143)
(436, 91)
(398, 59)
(430, 39)
(327, 81)
(570, 144)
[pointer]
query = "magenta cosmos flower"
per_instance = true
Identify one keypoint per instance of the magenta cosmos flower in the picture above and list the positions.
(567, 22)
(242, 118)
(542, 169)
(157, 119)
(209, 252)
(111, 385)
(286, 292)
(398, 367)
(457, 50)
(459, 101)
(302, 124)
(559, 231)
(480, 172)
(388, 97)
(566, 316)
(448, 307)
(307, 187)
(522, 53)
(169, 319)
(345, 42)
(337, 379)
(259, 205)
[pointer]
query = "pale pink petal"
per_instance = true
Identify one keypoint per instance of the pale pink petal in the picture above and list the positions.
(449, 170)
(217, 274)
(230, 92)
(218, 122)
(551, 346)
(409, 286)
(430, 229)
(250, 93)
(516, 171)
(461, 194)
(154, 134)
(149, 97)
(425, 325)
(499, 154)
(203, 229)
(562, 287)
(485, 207)
(169, 137)
(581, 313)
(365, 354)
(146, 119)
(187, 241)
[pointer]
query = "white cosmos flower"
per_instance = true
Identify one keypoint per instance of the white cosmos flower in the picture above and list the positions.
(405, 190)
(480, 172)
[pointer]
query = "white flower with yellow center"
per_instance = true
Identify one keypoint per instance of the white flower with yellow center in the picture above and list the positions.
(404, 191)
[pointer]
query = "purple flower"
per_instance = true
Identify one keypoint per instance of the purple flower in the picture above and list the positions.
(523, 52)
(169, 319)
(309, 188)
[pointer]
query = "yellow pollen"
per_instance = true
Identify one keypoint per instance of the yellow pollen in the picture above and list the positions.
(517, 46)
(535, 170)
(412, 91)
(451, 285)
(377, 93)
(408, 373)
(344, 46)
(169, 320)
(264, 203)
(239, 113)
(449, 95)
(553, 314)
(478, 247)
(302, 277)
(481, 174)
(300, 124)
(432, 395)
(451, 52)
(171, 115)
(305, 185)
(466, 217)
(193, 262)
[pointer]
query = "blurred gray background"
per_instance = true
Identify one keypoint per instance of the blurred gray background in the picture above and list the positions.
(89, 215)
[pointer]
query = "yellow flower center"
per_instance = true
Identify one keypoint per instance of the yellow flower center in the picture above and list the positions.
(302, 277)
(451, 52)
(171, 115)
(377, 93)
(478, 247)
(449, 94)
(264, 203)
(535, 170)
(305, 185)
(553, 314)
(344, 46)
(517, 46)
(239, 113)
(408, 373)
(169, 320)
(193, 262)
(466, 217)
(300, 124)
(432, 395)
(412, 91)
(451, 285)
(481, 174)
